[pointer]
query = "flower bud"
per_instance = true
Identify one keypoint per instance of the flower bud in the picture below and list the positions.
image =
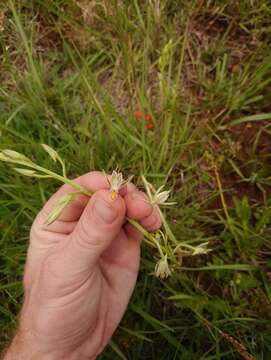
(13, 156)
(162, 269)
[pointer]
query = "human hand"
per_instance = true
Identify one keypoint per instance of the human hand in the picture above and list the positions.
(80, 272)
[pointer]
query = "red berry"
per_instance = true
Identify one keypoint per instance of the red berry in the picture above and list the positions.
(150, 126)
(138, 114)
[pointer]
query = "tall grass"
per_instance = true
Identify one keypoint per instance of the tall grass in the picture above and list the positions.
(73, 74)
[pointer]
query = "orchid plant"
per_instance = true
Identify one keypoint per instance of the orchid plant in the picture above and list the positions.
(170, 251)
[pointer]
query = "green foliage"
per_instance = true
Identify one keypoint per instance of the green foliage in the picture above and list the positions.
(72, 76)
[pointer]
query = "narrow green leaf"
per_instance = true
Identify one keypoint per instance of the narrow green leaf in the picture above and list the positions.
(239, 267)
(150, 319)
(245, 119)
(117, 350)
(182, 297)
(135, 334)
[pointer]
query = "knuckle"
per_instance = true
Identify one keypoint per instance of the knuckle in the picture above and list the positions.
(87, 239)
(50, 274)
(157, 223)
(152, 221)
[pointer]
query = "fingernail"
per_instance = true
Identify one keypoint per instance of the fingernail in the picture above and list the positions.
(105, 211)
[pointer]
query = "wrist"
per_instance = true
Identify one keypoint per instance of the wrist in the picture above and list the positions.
(24, 347)
(29, 344)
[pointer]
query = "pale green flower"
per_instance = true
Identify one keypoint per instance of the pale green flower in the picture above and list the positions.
(162, 269)
(201, 249)
(116, 182)
(157, 197)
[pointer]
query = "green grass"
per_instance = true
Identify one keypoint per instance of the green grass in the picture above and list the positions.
(72, 77)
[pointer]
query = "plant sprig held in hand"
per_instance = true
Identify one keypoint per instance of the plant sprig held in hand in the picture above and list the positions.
(169, 249)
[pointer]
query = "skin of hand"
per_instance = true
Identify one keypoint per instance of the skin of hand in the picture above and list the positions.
(80, 272)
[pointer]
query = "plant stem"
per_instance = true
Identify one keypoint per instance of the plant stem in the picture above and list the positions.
(64, 180)
(140, 228)
(167, 228)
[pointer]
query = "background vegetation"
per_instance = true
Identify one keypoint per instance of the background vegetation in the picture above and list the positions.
(72, 75)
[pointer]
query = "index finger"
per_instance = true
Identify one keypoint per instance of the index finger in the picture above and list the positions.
(92, 181)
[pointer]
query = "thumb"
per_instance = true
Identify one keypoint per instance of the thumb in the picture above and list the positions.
(97, 227)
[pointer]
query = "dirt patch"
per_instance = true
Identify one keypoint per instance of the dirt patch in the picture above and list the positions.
(249, 148)
(257, 133)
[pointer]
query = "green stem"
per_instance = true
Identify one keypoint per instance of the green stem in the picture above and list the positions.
(63, 167)
(64, 180)
(147, 237)
(140, 228)
(224, 205)
(159, 249)
(167, 228)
